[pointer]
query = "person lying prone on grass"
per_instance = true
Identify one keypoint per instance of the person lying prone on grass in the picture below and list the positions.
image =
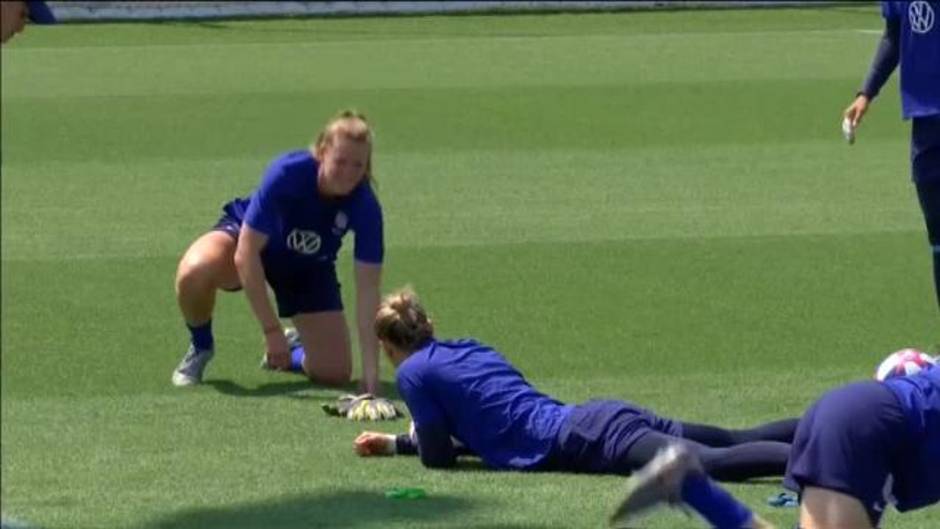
(466, 391)
(859, 448)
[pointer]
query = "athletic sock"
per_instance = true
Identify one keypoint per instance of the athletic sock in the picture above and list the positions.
(297, 359)
(714, 503)
(201, 336)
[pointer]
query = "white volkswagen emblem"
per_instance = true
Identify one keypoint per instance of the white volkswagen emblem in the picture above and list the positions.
(340, 224)
(303, 241)
(921, 16)
(341, 220)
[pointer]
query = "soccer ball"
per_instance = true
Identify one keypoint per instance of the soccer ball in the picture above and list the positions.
(902, 363)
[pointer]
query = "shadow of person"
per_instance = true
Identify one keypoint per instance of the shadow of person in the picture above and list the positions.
(301, 388)
(333, 508)
(271, 389)
(389, 390)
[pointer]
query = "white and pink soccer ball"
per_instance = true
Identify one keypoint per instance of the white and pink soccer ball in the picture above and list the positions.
(904, 362)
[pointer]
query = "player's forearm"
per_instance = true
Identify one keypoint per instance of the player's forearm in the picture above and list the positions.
(434, 444)
(406, 445)
(367, 303)
(370, 355)
(434, 458)
(885, 61)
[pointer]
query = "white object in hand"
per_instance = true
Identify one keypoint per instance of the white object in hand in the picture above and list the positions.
(848, 131)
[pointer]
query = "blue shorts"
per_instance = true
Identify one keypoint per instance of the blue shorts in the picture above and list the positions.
(313, 289)
(848, 442)
(233, 214)
(925, 149)
(598, 435)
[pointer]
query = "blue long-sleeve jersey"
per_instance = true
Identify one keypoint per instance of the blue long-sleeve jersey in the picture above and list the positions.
(917, 475)
(469, 391)
(911, 39)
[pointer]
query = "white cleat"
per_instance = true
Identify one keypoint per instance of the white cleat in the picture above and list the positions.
(658, 483)
(191, 367)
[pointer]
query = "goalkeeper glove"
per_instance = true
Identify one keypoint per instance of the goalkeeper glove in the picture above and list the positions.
(365, 407)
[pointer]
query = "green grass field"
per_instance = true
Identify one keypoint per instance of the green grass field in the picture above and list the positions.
(650, 206)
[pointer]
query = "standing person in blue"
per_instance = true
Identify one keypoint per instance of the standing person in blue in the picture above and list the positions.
(912, 38)
(14, 14)
(287, 234)
(859, 448)
(466, 391)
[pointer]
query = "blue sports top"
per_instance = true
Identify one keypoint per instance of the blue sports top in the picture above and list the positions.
(304, 228)
(917, 475)
(467, 390)
(919, 55)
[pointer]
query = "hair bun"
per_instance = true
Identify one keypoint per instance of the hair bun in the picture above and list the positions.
(402, 320)
(403, 302)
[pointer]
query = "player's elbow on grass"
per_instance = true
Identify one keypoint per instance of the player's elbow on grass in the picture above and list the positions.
(438, 461)
(437, 455)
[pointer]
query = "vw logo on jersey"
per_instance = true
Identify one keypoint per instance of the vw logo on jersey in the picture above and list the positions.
(921, 16)
(303, 241)
(339, 227)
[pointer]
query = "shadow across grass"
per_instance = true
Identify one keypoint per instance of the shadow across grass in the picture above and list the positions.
(298, 389)
(342, 508)
(271, 389)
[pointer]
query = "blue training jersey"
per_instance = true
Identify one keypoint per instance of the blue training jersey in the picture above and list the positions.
(469, 391)
(304, 228)
(917, 475)
(919, 55)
